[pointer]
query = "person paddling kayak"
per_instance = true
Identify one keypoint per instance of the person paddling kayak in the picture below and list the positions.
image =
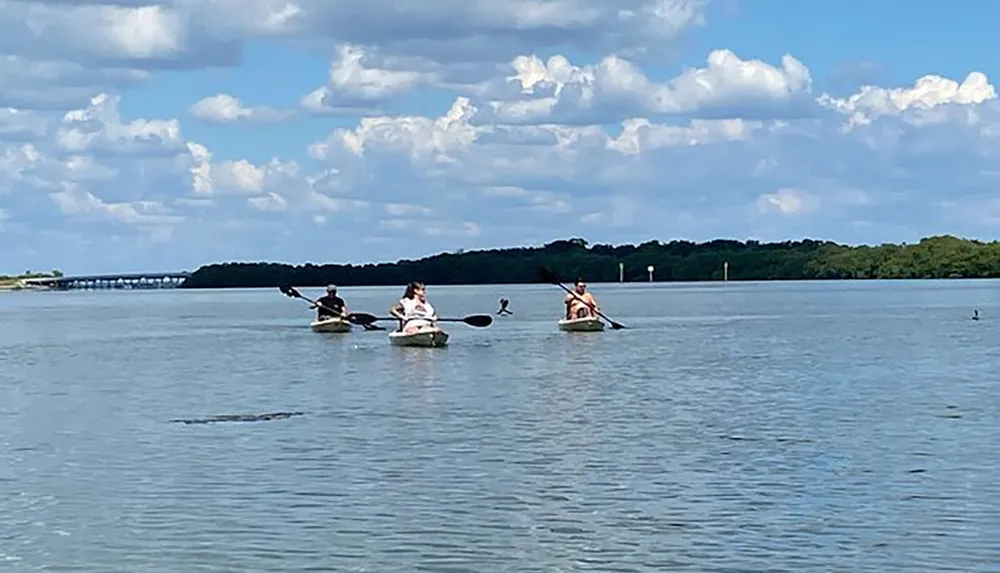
(413, 310)
(330, 305)
(583, 304)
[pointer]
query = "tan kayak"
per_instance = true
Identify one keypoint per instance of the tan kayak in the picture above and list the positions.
(431, 337)
(581, 325)
(331, 325)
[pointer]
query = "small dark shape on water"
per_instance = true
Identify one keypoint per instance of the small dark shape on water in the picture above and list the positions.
(240, 418)
(504, 302)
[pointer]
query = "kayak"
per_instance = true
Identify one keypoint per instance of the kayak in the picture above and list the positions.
(330, 325)
(432, 337)
(581, 325)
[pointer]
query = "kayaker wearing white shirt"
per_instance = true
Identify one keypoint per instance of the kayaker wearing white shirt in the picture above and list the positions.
(413, 310)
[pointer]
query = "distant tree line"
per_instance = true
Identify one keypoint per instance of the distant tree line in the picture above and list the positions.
(933, 257)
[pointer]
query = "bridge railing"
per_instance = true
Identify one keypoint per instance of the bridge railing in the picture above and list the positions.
(110, 281)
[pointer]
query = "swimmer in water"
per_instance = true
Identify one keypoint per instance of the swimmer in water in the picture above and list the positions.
(503, 306)
(975, 314)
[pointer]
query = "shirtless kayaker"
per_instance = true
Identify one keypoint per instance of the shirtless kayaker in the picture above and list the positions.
(577, 308)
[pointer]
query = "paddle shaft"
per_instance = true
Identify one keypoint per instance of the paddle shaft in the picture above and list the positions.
(428, 319)
(317, 303)
(470, 320)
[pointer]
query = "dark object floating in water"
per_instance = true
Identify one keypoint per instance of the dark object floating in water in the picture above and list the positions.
(240, 418)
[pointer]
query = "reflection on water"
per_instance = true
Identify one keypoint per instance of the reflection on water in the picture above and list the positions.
(418, 363)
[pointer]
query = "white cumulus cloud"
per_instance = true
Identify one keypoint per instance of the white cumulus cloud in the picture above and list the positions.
(354, 82)
(186, 132)
(224, 108)
(558, 91)
(788, 201)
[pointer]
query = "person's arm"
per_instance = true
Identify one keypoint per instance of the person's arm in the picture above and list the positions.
(343, 308)
(396, 310)
(593, 303)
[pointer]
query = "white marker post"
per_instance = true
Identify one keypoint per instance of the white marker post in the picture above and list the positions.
(725, 271)
(649, 270)
(621, 272)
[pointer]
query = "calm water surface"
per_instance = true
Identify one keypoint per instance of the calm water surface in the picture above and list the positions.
(846, 427)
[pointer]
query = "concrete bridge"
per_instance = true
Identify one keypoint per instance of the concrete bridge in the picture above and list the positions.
(113, 281)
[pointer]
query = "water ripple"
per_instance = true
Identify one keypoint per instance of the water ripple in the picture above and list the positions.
(709, 439)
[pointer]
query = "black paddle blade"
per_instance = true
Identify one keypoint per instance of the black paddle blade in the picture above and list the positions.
(479, 320)
(616, 325)
(362, 318)
(289, 291)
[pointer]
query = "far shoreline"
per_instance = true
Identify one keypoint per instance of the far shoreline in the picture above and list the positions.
(595, 286)
(678, 262)
(933, 258)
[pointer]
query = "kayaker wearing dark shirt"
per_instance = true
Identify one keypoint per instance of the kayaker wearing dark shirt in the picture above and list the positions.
(330, 305)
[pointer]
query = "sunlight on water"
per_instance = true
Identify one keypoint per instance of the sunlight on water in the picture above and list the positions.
(741, 427)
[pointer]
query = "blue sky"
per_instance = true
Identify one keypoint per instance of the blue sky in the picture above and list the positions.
(164, 134)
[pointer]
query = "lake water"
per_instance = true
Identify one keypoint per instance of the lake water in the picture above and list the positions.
(835, 427)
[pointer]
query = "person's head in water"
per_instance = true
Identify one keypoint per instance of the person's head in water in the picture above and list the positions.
(331, 290)
(417, 290)
(579, 286)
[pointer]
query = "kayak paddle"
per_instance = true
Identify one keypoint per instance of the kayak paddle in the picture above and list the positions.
(477, 320)
(292, 292)
(550, 277)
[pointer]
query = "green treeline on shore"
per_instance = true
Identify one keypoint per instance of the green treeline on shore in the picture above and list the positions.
(933, 257)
